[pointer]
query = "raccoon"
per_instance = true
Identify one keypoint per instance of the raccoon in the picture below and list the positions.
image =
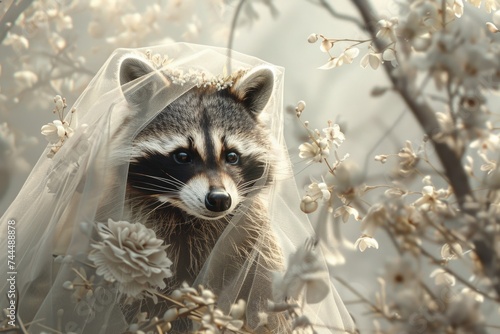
(204, 159)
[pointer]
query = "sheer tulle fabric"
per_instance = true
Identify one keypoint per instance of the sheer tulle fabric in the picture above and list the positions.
(65, 196)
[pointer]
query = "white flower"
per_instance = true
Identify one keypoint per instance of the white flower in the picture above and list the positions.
(345, 211)
(389, 55)
(132, 256)
(345, 57)
(408, 158)
(313, 38)
(373, 59)
(450, 252)
(365, 242)
(441, 277)
(305, 275)
(217, 319)
(334, 135)
(432, 199)
(387, 28)
(18, 42)
(319, 190)
(487, 141)
(315, 151)
(400, 273)
(57, 131)
(25, 79)
(458, 8)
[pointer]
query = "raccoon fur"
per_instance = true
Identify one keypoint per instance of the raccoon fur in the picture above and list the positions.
(204, 159)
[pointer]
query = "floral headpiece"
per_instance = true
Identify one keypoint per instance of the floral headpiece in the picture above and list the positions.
(198, 77)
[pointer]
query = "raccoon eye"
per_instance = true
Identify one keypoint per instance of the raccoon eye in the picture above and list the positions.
(232, 158)
(182, 157)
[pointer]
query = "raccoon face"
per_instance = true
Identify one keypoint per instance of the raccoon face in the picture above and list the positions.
(205, 152)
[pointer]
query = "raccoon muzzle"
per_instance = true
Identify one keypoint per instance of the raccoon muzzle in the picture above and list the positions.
(218, 200)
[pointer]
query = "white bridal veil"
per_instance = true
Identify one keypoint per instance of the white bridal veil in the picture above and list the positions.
(47, 232)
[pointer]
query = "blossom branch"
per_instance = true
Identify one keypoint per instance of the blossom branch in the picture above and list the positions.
(451, 162)
(422, 112)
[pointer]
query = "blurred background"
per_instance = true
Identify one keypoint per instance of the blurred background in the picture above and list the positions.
(55, 47)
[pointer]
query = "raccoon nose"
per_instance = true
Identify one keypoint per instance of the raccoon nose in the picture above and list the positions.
(218, 200)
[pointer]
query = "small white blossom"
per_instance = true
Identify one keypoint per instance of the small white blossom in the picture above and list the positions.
(18, 42)
(389, 55)
(313, 38)
(57, 131)
(373, 59)
(408, 158)
(441, 277)
(387, 29)
(326, 45)
(489, 165)
(25, 79)
(305, 274)
(316, 151)
(365, 242)
(432, 199)
(382, 158)
(487, 141)
(457, 7)
(492, 27)
(451, 252)
(345, 211)
(400, 273)
(345, 57)
(319, 191)
(132, 256)
(334, 135)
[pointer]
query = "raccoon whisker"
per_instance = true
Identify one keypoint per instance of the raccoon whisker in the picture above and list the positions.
(244, 191)
(156, 208)
(156, 191)
(157, 186)
(247, 183)
(173, 181)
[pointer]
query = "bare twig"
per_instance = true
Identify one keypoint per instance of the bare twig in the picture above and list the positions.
(231, 33)
(10, 17)
(345, 17)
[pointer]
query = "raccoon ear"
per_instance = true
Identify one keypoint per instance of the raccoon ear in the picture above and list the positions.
(132, 68)
(255, 88)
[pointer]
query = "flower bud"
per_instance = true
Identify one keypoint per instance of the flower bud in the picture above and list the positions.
(301, 105)
(313, 38)
(308, 205)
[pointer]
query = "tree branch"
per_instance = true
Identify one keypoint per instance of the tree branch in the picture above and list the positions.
(484, 242)
(344, 17)
(424, 114)
(10, 17)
